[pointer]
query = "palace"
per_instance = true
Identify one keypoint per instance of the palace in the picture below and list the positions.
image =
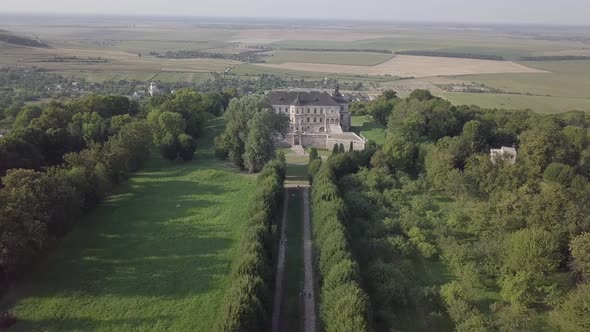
(316, 118)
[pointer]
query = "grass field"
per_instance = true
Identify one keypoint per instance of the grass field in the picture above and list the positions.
(538, 104)
(561, 79)
(337, 58)
(155, 256)
(369, 128)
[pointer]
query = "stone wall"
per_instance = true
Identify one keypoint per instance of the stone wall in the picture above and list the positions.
(345, 139)
(316, 141)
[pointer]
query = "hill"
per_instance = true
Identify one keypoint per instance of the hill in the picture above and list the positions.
(10, 38)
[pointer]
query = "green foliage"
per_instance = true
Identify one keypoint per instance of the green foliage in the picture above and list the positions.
(247, 302)
(335, 149)
(344, 305)
(559, 173)
(475, 136)
(37, 206)
(580, 250)
(341, 148)
(251, 126)
(530, 256)
(574, 313)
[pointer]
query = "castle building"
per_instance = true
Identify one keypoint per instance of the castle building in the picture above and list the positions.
(316, 118)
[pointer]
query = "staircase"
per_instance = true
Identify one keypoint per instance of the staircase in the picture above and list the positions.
(298, 149)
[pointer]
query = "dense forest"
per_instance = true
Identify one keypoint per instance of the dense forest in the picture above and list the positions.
(440, 237)
(62, 159)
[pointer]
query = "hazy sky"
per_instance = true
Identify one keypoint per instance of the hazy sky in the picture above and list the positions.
(523, 11)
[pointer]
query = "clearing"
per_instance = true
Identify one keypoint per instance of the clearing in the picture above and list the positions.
(155, 256)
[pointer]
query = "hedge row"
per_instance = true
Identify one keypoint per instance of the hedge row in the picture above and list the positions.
(344, 305)
(248, 300)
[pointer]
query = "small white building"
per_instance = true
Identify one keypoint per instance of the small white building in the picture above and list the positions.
(153, 89)
(507, 153)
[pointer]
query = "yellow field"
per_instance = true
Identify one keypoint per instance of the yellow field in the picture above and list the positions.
(414, 66)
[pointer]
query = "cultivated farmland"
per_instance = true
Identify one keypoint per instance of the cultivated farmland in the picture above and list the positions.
(413, 66)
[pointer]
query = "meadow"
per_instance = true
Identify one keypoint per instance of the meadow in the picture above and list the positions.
(155, 256)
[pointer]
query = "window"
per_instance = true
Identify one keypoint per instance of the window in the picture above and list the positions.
(307, 120)
(315, 111)
(308, 110)
(314, 120)
(280, 109)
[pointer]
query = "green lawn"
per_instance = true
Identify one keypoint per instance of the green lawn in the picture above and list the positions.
(155, 256)
(369, 128)
(293, 306)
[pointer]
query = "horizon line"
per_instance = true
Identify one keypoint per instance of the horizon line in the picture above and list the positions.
(308, 19)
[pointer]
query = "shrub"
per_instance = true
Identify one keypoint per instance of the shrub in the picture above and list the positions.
(247, 302)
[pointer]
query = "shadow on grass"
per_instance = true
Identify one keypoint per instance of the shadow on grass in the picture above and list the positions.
(89, 324)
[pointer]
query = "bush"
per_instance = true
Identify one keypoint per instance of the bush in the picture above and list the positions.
(344, 305)
(247, 302)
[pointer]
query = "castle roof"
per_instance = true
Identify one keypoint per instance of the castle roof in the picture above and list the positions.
(303, 98)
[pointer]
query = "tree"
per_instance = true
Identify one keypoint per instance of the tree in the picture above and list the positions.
(543, 145)
(313, 155)
(341, 148)
(421, 94)
(389, 94)
(530, 255)
(335, 149)
(351, 148)
(259, 147)
(231, 143)
(580, 249)
(574, 313)
(559, 173)
(475, 136)
(186, 147)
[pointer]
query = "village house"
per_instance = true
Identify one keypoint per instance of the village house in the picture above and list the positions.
(507, 153)
(316, 118)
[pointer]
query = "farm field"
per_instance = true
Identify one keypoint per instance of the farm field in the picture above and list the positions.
(155, 256)
(337, 58)
(118, 42)
(413, 66)
(560, 79)
(540, 104)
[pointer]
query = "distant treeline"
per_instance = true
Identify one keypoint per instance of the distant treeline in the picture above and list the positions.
(365, 50)
(8, 37)
(443, 54)
(254, 56)
(554, 58)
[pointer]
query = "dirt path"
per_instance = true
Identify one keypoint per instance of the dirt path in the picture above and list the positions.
(278, 299)
(310, 317)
